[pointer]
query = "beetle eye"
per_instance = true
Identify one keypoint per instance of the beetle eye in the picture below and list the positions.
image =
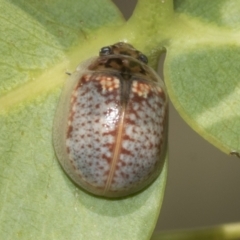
(105, 51)
(143, 58)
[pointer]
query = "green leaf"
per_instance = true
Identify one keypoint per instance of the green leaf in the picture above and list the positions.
(202, 69)
(40, 41)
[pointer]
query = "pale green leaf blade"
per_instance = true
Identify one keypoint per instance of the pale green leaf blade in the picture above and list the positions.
(202, 69)
(224, 13)
(40, 41)
(36, 35)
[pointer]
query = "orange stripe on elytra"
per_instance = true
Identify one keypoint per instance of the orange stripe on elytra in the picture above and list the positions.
(117, 149)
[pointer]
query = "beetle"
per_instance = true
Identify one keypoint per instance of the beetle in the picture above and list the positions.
(111, 123)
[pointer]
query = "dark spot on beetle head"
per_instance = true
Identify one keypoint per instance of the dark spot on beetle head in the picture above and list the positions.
(125, 49)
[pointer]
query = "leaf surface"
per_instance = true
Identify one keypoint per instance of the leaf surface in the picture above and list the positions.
(202, 69)
(40, 41)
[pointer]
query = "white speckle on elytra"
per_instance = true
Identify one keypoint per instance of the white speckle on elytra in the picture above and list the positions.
(108, 154)
(132, 116)
(125, 144)
(129, 130)
(111, 139)
(141, 114)
(142, 89)
(109, 83)
(136, 106)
